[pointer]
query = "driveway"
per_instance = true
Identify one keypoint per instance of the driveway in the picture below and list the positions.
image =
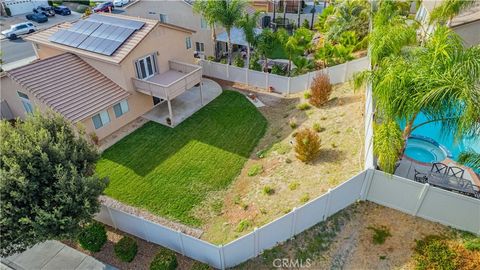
(5, 22)
(53, 255)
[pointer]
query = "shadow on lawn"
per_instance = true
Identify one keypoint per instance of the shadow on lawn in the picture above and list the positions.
(230, 123)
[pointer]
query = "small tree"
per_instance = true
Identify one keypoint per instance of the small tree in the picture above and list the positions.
(307, 145)
(48, 187)
(320, 90)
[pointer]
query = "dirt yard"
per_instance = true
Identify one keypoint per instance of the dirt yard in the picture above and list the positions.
(274, 167)
(346, 241)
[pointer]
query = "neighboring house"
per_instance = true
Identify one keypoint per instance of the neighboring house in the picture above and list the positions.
(21, 6)
(466, 24)
(103, 72)
(178, 13)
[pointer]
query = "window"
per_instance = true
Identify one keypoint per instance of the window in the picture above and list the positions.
(188, 42)
(146, 67)
(199, 47)
(120, 108)
(27, 104)
(101, 119)
(203, 23)
(163, 18)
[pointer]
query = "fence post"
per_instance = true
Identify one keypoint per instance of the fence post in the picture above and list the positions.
(367, 183)
(145, 231)
(289, 83)
(307, 84)
(246, 76)
(182, 248)
(255, 242)
(228, 71)
(423, 193)
(266, 81)
(111, 217)
(294, 221)
(222, 256)
(327, 205)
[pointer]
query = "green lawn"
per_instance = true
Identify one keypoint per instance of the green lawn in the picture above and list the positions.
(277, 53)
(169, 171)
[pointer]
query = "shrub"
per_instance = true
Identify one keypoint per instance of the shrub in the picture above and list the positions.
(200, 266)
(317, 127)
(433, 252)
(307, 145)
(93, 237)
(303, 106)
(255, 169)
(293, 185)
(268, 190)
(223, 61)
(278, 70)
(473, 244)
(380, 234)
(306, 23)
(292, 122)
(211, 58)
(305, 198)
(281, 148)
(164, 260)
(243, 225)
(321, 89)
(239, 62)
(254, 65)
(126, 249)
(307, 94)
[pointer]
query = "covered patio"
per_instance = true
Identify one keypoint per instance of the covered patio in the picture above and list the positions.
(184, 105)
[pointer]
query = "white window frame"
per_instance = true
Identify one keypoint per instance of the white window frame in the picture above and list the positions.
(203, 23)
(199, 47)
(143, 62)
(188, 42)
(104, 119)
(27, 104)
(123, 106)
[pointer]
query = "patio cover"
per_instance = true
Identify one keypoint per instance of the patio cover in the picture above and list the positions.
(237, 35)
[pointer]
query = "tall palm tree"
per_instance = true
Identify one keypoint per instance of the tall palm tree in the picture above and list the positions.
(205, 8)
(292, 49)
(248, 24)
(439, 79)
(471, 159)
(227, 13)
(265, 43)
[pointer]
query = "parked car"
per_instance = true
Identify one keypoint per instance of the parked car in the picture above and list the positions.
(37, 17)
(45, 10)
(62, 10)
(103, 7)
(19, 29)
(120, 3)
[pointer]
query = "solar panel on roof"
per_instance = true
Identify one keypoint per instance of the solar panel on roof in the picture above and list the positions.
(97, 33)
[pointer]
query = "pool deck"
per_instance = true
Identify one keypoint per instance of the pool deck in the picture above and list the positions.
(407, 166)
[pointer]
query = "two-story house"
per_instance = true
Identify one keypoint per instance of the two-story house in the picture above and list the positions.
(466, 24)
(179, 13)
(105, 71)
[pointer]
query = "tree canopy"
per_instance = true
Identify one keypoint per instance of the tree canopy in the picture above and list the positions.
(48, 187)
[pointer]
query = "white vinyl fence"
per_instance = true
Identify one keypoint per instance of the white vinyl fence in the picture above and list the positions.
(369, 113)
(286, 85)
(395, 192)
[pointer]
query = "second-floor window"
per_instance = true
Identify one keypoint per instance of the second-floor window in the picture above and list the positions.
(120, 108)
(101, 119)
(203, 23)
(188, 43)
(27, 104)
(199, 47)
(146, 67)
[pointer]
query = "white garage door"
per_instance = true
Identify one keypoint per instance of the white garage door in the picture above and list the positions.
(23, 6)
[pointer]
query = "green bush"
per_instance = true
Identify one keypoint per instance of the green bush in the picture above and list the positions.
(243, 225)
(305, 198)
(255, 169)
(268, 190)
(239, 62)
(317, 127)
(307, 94)
(164, 260)
(278, 70)
(126, 249)
(293, 185)
(211, 58)
(93, 237)
(292, 123)
(254, 65)
(380, 234)
(303, 106)
(200, 266)
(433, 252)
(223, 61)
(306, 24)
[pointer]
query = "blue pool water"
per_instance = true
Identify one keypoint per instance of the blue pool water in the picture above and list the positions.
(425, 152)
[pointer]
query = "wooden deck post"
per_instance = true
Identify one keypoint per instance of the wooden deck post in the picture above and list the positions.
(170, 112)
(201, 93)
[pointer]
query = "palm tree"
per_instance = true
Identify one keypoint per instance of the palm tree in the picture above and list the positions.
(227, 13)
(248, 24)
(449, 9)
(205, 8)
(292, 49)
(439, 79)
(471, 159)
(302, 65)
(265, 43)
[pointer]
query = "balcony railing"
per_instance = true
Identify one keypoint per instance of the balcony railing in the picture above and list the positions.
(188, 75)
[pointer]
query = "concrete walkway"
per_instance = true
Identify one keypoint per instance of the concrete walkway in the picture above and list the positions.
(53, 255)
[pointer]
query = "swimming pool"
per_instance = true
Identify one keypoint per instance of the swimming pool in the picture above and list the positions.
(434, 139)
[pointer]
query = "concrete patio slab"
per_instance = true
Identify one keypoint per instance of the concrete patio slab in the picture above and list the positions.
(185, 104)
(53, 255)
